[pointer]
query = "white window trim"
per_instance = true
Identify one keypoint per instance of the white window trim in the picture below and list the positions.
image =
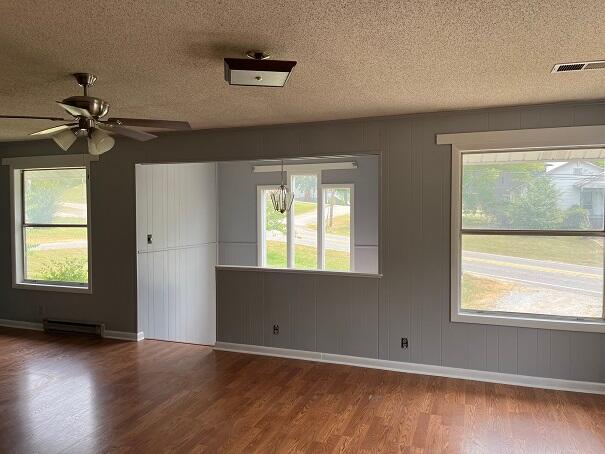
(515, 140)
(302, 168)
(260, 216)
(16, 166)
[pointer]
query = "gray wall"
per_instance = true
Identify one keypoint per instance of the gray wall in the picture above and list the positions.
(237, 209)
(414, 292)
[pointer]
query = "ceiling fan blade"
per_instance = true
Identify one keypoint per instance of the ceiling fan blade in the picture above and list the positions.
(75, 111)
(27, 117)
(147, 123)
(53, 130)
(136, 135)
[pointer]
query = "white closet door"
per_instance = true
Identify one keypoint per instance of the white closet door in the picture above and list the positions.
(176, 206)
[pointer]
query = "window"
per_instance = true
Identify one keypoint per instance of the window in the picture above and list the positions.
(338, 227)
(312, 235)
(527, 240)
(51, 219)
(55, 226)
(273, 231)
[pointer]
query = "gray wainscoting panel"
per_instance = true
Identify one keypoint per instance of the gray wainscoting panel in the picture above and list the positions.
(239, 301)
(362, 330)
(328, 313)
(333, 298)
(304, 312)
(280, 292)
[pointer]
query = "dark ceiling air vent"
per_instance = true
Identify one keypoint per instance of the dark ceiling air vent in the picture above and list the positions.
(571, 67)
(578, 66)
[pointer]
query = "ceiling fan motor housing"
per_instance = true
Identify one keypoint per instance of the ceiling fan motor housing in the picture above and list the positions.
(97, 107)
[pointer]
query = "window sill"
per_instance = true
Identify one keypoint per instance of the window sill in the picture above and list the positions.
(296, 271)
(51, 287)
(589, 326)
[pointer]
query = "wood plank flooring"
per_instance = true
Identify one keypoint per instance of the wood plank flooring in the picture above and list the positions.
(78, 395)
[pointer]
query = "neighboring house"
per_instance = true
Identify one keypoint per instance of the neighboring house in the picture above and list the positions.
(580, 183)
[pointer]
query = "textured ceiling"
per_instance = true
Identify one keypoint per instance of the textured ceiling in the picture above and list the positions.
(163, 59)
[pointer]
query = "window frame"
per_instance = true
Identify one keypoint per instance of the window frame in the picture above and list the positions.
(290, 244)
(497, 142)
(17, 166)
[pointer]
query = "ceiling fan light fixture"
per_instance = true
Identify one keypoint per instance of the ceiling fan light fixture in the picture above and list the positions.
(87, 112)
(258, 70)
(65, 139)
(99, 142)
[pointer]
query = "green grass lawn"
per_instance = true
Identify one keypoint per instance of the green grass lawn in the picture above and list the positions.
(479, 293)
(341, 225)
(304, 207)
(576, 250)
(67, 265)
(305, 257)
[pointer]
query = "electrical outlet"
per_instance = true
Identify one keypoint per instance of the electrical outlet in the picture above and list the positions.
(275, 330)
(404, 342)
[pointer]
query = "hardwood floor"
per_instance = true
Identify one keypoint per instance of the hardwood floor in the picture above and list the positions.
(78, 395)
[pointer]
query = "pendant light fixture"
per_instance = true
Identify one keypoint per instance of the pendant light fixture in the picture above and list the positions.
(282, 198)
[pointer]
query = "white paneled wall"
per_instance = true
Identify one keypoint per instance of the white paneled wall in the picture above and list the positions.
(176, 205)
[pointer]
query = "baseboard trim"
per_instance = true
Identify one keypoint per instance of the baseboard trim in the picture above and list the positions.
(423, 369)
(36, 326)
(124, 335)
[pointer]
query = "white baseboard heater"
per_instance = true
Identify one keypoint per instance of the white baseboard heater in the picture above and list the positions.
(65, 326)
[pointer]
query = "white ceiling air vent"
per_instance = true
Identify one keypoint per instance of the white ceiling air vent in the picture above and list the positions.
(578, 66)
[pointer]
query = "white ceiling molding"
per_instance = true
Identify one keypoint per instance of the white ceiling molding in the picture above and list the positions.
(49, 162)
(526, 139)
(346, 165)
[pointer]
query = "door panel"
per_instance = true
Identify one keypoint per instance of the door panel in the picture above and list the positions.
(176, 205)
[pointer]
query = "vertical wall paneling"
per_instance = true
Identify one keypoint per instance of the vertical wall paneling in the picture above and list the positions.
(583, 348)
(477, 347)
(333, 293)
(527, 351)
(280, 293)
(413, 293)
(303, 313)
(398, 256)
(361, 337)
(507, 349)
(492, 349)
(176, 284)
(429, 259)
(543, 359)
(560, 354)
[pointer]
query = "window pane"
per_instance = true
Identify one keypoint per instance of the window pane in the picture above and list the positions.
(305, 221)
(55, 196)
(56, 254)
(337, 226)
(560, 276)
(533, 190)
(276, 246)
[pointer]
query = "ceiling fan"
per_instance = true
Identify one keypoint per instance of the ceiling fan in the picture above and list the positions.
(87, 112)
